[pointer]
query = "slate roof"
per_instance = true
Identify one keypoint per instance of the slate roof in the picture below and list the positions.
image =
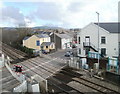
(46, 43)
(48, 33)
(42, 35)
(110, 27)
(26, 38)
(63, 36)
(43, 32)
(40, 32)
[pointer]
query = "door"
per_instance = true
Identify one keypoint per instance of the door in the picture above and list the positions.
(87, 40)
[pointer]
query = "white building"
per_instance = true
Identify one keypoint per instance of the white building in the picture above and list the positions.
(109, 42)
(62, 41)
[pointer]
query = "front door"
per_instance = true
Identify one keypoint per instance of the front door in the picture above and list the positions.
(87, 38)
(87, 43)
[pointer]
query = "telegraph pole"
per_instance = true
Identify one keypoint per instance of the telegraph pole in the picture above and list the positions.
(98, 40)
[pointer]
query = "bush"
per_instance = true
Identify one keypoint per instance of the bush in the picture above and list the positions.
(29, 51)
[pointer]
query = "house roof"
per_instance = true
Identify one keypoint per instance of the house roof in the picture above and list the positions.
(48, 33)
(63, 36)
(42, 35)
(110, 27)
(40, 32)
(26, 38)
(46, 43)
(43, 32)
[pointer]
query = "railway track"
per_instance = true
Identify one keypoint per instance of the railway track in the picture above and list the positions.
(15, 50)
(50, 82)
(54, 81)
(93, 85)
(90, 84)
(12, 53)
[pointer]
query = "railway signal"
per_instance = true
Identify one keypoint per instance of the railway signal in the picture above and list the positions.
(18, 68)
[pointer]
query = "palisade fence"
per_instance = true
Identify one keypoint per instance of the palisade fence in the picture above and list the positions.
(77, 63)
(74, 63)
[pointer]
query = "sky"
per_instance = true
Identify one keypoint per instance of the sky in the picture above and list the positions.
(61, 13)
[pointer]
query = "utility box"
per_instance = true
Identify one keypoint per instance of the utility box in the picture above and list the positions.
(36, 88)
(83, 62)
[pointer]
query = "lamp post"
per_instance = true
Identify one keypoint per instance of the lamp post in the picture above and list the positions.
(98, 39)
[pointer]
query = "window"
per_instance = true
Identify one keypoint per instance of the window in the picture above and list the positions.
(38, 43)
(103, 40)
(103, 51)
(46, 46)
(79, 51)
(79, 40)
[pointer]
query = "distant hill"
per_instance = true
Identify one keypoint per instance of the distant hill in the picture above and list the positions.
(46, 27)
(37, 27)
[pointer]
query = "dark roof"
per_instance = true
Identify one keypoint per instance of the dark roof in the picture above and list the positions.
(43, 32)
(42, 35)
(40, 32)
(46, 43)
(110, 27)
(48, 33)
(64, 36)
(26, 38)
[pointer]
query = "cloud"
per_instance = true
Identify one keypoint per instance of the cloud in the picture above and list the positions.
(66, 13)
(12, 15)
(49, 11)
(75, 6)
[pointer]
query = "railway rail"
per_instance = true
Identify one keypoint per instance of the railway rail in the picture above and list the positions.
(49, 70)
(57, 83)
(93, 85)
(15, 50)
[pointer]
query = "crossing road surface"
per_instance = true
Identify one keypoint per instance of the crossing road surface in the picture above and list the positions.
(44, 67)
(60, 54)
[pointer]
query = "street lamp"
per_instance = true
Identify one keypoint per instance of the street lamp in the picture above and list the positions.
(98, 39)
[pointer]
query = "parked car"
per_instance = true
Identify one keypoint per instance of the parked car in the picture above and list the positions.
(44, 52)
(68, 54)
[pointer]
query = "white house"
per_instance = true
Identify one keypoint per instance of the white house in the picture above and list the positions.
(109, 43)
(62, 41)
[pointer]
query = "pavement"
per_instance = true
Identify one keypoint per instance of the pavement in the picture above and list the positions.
(8, 81)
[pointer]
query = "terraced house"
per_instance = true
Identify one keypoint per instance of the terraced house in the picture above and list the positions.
(109, 42)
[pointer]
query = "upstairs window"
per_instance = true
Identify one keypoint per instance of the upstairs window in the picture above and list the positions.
(103, 40)
(38, 43)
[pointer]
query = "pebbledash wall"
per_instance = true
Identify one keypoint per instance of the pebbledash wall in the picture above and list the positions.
(91, 30)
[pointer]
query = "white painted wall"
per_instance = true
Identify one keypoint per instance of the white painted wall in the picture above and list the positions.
(64, 41)
(92, 31)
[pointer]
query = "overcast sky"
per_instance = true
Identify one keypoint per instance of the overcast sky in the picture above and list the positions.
(62, 13)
